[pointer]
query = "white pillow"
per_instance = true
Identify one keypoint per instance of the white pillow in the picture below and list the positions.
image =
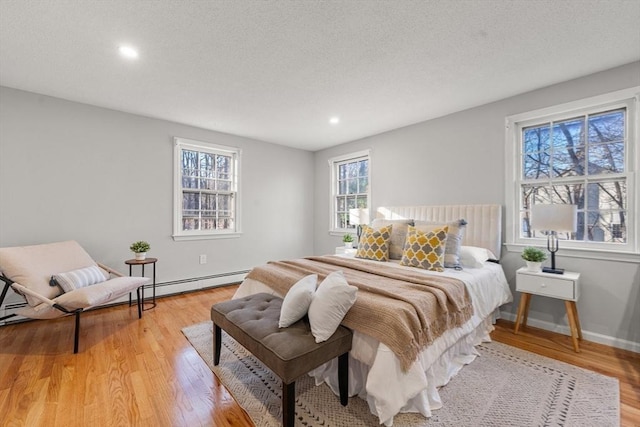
(330, 304)
(473, 256)
(79, 278)
(297, 301)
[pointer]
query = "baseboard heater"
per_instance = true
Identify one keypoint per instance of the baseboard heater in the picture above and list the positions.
(173, 287)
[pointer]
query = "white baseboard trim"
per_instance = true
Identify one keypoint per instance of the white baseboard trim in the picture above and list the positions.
(586, 335)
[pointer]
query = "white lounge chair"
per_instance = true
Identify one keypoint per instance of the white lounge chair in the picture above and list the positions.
(58, 279)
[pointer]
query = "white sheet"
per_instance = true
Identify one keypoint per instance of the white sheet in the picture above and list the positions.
(374, 371)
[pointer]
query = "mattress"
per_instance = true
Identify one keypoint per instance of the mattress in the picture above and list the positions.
(375, 374)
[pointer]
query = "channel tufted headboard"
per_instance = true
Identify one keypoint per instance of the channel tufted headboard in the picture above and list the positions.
(484, 222)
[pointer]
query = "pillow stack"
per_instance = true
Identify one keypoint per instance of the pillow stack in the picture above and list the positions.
(455, 234)
(326, 306)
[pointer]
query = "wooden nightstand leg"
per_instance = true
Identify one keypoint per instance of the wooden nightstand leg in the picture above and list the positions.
(572, 325)
(575, 315)
(521, 311)
(526, 310)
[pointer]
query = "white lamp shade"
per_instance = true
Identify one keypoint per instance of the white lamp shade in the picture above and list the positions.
(554, 217)
(359, 216)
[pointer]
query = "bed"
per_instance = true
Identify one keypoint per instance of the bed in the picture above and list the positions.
(377, 374)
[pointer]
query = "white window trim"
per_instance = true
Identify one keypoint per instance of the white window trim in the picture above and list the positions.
(629, 252)
(178, 233)
(333, 230)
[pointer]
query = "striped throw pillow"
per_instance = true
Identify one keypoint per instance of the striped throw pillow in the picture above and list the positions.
(79, 278)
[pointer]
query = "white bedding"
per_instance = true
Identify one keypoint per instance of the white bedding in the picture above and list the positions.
(374, 371)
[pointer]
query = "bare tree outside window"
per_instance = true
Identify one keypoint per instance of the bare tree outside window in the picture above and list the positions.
(578, 161)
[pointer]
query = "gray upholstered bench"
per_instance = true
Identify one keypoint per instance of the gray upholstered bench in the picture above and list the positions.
(289, 352)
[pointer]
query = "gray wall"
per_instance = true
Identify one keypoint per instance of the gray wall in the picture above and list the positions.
(104, 178)
(459, 159)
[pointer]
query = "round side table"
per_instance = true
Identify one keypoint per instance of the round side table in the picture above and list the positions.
(143, 262)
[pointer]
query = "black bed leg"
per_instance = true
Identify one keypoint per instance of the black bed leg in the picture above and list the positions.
(343, 378)
(217, 342)
(288, 404)
(76, 337)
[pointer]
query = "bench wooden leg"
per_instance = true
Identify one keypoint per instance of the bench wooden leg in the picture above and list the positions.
(217, 343)
(343, 378)
(288, 404)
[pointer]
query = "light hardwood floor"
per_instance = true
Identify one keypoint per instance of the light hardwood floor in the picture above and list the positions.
(132, 372)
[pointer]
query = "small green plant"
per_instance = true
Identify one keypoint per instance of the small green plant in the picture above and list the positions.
(533, 255)
(347, 238)
(140, 246)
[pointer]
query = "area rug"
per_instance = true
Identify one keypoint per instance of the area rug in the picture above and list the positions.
(506, 386)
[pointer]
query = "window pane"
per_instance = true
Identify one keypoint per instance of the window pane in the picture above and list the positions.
(351, 202)
(607, 195)
(535, 166)
(224, 202)
(342, 187)
(363, 168)
(224, 185)
(352, 169)
(353, 186)
(342, 172)
(206, 165)
(363, 185)
(223, 167)
(568, 161)
(606, 227)
(607, 127)
(342, 204)
(568, 194)
(361, 202)
(606, 158)
(342, 220)
(536, 139)
(568, 133)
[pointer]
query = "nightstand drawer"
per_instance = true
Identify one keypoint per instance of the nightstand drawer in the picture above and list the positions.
(543, 285)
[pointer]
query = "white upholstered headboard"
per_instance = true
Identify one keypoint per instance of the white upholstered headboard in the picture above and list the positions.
(484, 222)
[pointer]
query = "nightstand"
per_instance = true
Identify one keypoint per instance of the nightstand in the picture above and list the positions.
(560, 286)
(342, 250)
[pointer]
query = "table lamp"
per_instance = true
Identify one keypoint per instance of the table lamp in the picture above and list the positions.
(553, 219)
(359, 216)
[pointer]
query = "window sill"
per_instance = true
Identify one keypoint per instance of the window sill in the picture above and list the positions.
(597, 254)
(183, 237)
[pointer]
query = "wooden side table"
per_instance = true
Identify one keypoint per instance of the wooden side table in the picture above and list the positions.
(131, 263)
(560, 286)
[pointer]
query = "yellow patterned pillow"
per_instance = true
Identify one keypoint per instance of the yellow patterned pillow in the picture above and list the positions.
(425, 249)
(374, 244)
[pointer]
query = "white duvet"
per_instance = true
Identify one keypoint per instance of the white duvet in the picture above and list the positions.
(374, 371)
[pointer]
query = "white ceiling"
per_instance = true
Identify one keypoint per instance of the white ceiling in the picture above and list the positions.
(278, 70)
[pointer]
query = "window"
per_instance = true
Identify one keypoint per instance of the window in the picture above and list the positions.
(585, 154)
(206, 190)
(350, 189)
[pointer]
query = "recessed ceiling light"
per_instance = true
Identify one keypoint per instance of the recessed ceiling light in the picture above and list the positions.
(334, 120)
(128, 52)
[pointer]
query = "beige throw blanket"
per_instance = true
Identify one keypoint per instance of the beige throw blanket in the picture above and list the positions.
(403, 309)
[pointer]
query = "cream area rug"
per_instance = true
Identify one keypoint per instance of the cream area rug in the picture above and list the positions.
(506, 386)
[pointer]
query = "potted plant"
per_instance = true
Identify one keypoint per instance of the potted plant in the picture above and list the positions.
(347, 239)
(534, 258)
(140, 248)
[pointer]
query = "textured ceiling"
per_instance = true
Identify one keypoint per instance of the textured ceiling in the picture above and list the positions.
(277, 70)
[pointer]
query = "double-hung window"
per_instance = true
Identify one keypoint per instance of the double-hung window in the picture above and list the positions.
(350, 189)
(585, 154)
(206, 190)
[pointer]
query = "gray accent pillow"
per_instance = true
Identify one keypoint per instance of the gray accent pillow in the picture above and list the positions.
(454, 239)
(398, 234)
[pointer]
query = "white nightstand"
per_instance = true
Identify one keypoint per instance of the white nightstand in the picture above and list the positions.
(341, 250)
(561, 286)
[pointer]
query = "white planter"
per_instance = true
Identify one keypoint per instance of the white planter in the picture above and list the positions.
(141, 256)
(535, 267)
(348, 245)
